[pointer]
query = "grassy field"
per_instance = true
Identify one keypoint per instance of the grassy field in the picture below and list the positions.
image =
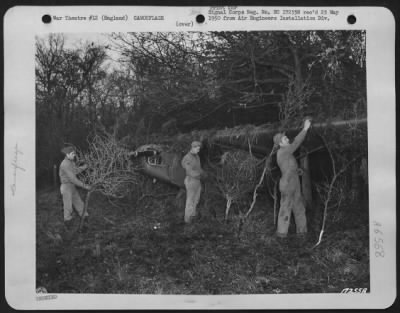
(142, 247)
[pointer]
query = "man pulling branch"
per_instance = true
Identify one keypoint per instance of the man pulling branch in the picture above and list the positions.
(289, 184)
(69, 181)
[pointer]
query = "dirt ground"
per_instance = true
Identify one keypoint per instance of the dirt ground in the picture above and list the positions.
(141, 246)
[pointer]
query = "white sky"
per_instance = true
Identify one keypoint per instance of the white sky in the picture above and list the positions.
(76, 40)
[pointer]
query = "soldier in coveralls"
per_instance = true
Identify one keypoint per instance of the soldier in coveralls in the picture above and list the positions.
(69, 181)
(289, 184)
(194, 172)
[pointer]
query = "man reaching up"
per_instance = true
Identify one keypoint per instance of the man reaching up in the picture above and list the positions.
(289, 184)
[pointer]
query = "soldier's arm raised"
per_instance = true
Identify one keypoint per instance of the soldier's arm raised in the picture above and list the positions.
(300, 137)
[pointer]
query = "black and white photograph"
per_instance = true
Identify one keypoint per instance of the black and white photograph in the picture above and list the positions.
(203, 162)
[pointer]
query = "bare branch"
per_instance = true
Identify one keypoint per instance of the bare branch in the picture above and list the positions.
(110, 170)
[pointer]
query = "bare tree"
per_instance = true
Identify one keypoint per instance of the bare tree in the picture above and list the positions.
(110, 171)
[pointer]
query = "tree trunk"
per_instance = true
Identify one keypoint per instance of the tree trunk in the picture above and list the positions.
(85, 209)
(55, 182)
(306, 181)
(149, 124)
(276, 187)
(228, 207)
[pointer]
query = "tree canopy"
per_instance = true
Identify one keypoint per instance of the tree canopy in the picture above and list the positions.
(180, 81)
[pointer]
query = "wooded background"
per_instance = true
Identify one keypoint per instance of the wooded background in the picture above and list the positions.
(140, 84)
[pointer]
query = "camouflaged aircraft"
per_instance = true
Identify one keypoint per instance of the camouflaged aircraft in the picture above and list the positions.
(159, 162)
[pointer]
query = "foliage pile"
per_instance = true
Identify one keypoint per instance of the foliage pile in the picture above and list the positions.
(236, 175)
(110, 171)
(245, 133)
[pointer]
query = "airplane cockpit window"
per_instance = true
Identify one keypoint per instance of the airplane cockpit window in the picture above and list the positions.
(154, 160)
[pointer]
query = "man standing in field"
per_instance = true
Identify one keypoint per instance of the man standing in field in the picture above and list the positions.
(289, 184)
(69, 181)
(194, 172)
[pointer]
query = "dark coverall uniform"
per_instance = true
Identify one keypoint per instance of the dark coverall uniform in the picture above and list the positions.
(289, 186)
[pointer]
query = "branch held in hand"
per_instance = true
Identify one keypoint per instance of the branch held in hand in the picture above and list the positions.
(110, 170)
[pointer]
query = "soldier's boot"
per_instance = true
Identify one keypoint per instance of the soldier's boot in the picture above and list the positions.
(282, 239)
(85, 225)
(302, 239)
(69, 225)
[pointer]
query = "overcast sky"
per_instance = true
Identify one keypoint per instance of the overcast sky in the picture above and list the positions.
(75, 40)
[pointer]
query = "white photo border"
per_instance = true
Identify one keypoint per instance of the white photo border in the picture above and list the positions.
(23, 23)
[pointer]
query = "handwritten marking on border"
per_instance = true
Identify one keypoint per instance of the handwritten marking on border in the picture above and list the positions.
(354, 290)
(378, 240)
(16, 167)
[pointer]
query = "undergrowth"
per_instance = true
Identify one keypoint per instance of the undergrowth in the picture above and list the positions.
(143, 247)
